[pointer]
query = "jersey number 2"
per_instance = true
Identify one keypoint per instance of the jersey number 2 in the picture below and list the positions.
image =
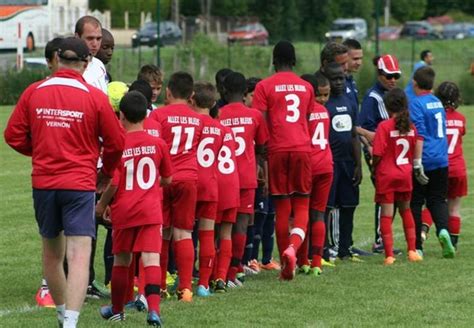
(402, 159)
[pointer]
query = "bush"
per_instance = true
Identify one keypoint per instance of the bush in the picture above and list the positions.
(466, 86)
(13, 83)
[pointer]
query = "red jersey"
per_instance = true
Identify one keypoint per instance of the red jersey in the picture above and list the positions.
(153, 127)
(145, 158)
(321, 155)
(288, 100)
(227, 173)
(455, 130)
(249, 130)
(207, 152)
(181, 129)
(394, 171)
(58, 121)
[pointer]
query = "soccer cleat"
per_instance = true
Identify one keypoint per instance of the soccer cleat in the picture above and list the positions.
(93, 292)
(420, 252)
(389, 260)
(315, 271)
(445, 241)
(202, 291)
(164, 294)
(424, 236)
(220, 286)
(170, 279)
(249, 271)
(241, 277)
(272, 265)
(327, 263)
(378, 249)
(44, 298)
(109, 315)
(130, 305)
(413, 256)
(140, 303)
(304, 269)
(153, 319)
(185, 295)
(351, 258)
(359, 252)
(288, 262)
(254, 265)
(234, 283)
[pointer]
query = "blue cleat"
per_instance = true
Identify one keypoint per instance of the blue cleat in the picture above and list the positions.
(108, 314)
(202, 291)
(153, 319)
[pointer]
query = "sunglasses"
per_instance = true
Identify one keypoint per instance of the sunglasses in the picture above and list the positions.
(393, 76)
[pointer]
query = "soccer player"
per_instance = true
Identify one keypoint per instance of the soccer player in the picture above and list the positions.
(135, 211)
(181, 129)
(286, 101)
(396, 146)
(203, 100)
(426, 59)
(220, 77)
(431, 172)
(58, 122)
(106, 51)
(251, 84)
(153, 75)
(251, 134)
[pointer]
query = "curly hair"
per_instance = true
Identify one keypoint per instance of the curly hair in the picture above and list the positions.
(448, 93)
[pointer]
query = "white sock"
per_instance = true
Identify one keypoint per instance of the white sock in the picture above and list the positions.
(44, 283)
(60, 309)
(70, 319)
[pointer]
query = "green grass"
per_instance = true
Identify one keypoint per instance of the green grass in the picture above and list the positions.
(435, 293)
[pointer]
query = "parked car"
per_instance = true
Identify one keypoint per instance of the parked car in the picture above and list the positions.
(170, 33)
(389, 32)
(347, 28)
(419, 30)
(249, 34)
(458, 31)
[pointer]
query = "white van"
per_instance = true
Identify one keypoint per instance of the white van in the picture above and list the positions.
(347, 28)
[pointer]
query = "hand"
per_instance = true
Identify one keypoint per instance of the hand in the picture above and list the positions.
(103, 182)
(370, 136)
(99, 211)
(357, 178)
(419, 172)
(106, 218)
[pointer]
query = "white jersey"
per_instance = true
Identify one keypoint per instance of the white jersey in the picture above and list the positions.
(96, 75)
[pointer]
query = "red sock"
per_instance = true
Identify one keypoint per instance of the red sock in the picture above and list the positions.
(387, 237)
(300, 207)
(282, 214)
(454, 225)
(141, 278)
(119, 283)
(207, 253)
(223, 259)
(238, 249)
(165, 251)
(152, 287)
(318, 233)
(184, 255)
(129, 296)
(409, 228)
(302, 254)
(426, 218)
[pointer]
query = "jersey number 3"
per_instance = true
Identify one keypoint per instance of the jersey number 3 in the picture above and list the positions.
(292, 106)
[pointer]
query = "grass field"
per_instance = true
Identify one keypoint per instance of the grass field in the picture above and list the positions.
(434, 293)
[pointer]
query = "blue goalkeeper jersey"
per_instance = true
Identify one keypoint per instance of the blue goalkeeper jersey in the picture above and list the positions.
(428, 115)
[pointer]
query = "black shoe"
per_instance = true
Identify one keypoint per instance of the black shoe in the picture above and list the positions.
(359, 252)
(378, 249)
(94, 293)
(220, 286)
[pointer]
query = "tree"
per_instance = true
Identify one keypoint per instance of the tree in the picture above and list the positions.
(406, 10)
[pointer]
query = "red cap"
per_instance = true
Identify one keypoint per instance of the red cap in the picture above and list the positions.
(389, 64)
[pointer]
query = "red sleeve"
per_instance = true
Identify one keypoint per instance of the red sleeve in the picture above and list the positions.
(262, 131)
(259, 99)
(463, 132)
(166, 169)
(116, 177)
(18, 131)
(113, 136)
(380, 142)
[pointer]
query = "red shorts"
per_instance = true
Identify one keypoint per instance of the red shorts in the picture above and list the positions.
(320, 191)
(206, 210)
(392, 197)
(228, 215)
(289, 173)
(457, 187)
(179, 204)
(145, 238)
(247, 201)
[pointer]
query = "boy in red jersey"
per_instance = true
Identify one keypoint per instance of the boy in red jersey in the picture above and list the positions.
(251, 134)
(181, 130)
(203, 100)
(396, 146)
(136, 214)
(286, 100)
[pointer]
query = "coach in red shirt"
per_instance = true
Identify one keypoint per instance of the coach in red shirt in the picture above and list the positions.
(58, 121)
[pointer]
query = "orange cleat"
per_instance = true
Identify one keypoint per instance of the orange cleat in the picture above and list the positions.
(185, 295)
(254, 265)
(288, 264)
(272, 265)
(44, 298)
(389, 260)
(413, 256)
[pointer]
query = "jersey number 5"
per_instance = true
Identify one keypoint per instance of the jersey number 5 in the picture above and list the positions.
(293, 103)
(130, 167)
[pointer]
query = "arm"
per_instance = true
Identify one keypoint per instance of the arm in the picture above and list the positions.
(18, 131)
(105, 200)
(356, 156)
(166, 168)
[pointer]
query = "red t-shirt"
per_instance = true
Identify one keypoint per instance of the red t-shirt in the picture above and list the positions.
(207, 152)
(455, 130)
(153, 127)
(145, 158)
(321, 155)
(288, 100)
(394, 171)
(249, 130)
(181, 129)
(227, 173)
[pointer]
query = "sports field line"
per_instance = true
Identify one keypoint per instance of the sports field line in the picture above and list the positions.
(22, 309)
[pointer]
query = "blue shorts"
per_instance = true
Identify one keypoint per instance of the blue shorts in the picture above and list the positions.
(263, 204)
(69, 210)
(343, 193)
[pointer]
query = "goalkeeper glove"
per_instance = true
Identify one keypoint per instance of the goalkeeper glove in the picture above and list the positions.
(420, 175)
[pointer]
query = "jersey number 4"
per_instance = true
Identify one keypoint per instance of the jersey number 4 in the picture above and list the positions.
(319, 139)
(138, 173)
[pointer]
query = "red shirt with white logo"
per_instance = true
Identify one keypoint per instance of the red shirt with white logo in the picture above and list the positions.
(455, 130)
(249, 130)
(394, 171)
(58, 121)
(181, 129)
(227, 172)
(321, 155)
(153, 127)
(145, 158)
(288, 100)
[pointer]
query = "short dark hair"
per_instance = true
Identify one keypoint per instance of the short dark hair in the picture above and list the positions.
(204, 94)
(424, 54)
(144, 88)
(51, 47)
(448, 93)
(252, 83)
(150, 73)
(329, 66)
(331, 50)
(311, 79)
(181, 85)
(133, 106)
(284, 54)
(107, 34)
(424, 77)
(79, 28)
(352, 44)
(235, 83)
(221, 75)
